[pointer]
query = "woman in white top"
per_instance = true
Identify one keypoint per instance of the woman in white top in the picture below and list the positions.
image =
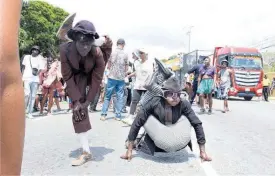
(143, 70)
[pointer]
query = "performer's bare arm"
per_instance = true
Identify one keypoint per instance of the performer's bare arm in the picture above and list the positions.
(132, 75)
(11, 88)
(139, 121)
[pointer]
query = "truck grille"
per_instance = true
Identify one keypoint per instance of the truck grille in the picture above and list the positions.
(246, 78)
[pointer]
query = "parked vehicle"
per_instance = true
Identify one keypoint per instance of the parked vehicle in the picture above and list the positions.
(246, 65)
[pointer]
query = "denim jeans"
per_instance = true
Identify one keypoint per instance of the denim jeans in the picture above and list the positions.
(118, 87)
(30, 90)
(125, 96)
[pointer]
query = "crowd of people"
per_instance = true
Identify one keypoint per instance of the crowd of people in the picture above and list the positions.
(202, 83)
(78, 73)
(89, 76)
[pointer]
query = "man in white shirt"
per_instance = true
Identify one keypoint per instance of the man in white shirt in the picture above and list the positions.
(31, 67)
(143, 70)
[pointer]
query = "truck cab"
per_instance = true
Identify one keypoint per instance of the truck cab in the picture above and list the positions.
(246, 66)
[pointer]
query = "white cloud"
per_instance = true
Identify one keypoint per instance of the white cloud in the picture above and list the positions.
(158, 25)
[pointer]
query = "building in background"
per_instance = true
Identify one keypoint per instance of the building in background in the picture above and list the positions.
(174, 64)
(189, 60)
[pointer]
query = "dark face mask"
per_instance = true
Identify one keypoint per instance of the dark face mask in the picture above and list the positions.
(84, 43)
(50, 59)
(224, 65)
(35, 52)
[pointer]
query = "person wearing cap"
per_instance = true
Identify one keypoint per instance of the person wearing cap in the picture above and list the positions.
(225, 83)
(129, 83)
(82, 66)
(118, 67)
(32, 65)
(143, 70)
(168, 110)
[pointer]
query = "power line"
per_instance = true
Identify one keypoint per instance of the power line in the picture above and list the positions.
(266, 41)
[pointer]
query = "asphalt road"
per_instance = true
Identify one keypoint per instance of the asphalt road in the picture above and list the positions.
(240, 142)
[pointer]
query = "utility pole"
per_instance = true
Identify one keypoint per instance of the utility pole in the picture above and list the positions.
(189, 35)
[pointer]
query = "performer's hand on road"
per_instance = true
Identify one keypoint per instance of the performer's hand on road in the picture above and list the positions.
(204, 156)
(128, 156)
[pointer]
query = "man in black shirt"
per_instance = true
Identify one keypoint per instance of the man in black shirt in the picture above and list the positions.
(196, 71)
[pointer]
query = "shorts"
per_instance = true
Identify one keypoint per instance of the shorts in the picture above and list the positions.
(40, 97)
(70, 101)
(55, 94)
(224, 93)
(205, 86)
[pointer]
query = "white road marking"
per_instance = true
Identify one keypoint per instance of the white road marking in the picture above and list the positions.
(39, 118)
(207, 167)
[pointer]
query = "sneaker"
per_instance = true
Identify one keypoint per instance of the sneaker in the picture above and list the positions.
(93, 110)
(202, 110)
(85, 157)
(117, 119)
(103, 118)
(209, 112)
(35, 109)
(129, 120)
(30, 116)
(124, 111)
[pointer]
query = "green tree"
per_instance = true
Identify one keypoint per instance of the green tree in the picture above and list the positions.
(172, 57)
(38, 26)
(269, 61)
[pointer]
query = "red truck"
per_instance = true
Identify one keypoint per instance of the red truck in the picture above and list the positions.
(246, 65)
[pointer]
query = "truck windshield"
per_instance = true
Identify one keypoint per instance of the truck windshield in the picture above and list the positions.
(246, 62)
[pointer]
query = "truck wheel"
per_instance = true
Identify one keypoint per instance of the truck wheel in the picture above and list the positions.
(248, 98)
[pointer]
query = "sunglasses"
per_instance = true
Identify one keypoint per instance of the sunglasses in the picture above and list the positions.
(171, 94)
(84, 38)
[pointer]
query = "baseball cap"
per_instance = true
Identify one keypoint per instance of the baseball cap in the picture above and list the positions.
(143, 50)
(121, 41)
